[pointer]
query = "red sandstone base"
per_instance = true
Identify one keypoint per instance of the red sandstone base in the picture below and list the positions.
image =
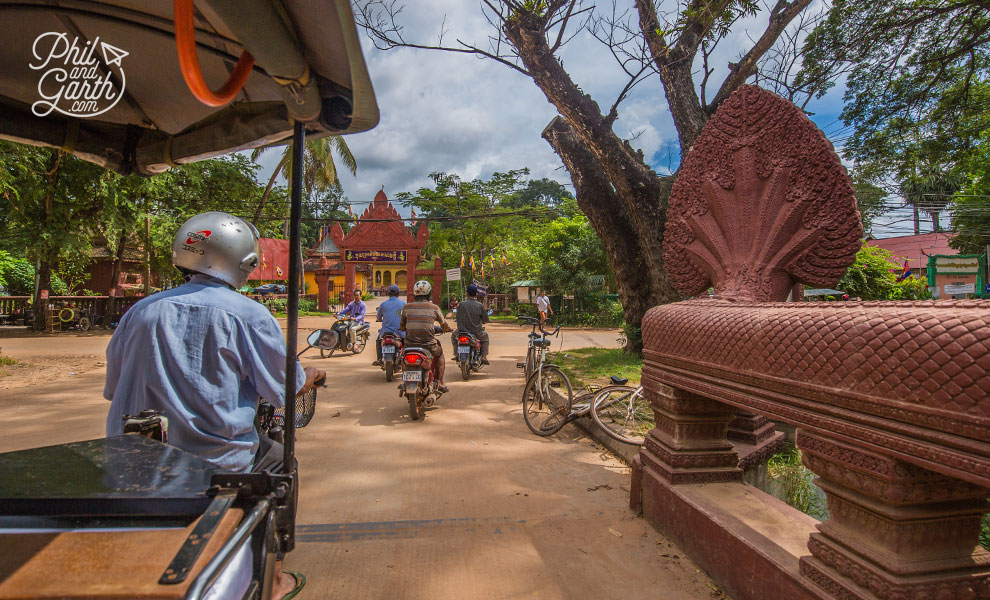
(749, 542)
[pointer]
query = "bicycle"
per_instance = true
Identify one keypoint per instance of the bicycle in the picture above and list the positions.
(623, 412)
(547, 396)
(530, 365)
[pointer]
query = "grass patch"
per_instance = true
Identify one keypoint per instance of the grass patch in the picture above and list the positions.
(305, 313)
(6, 361)
(503, 318)
(585, 366)
(794, 484)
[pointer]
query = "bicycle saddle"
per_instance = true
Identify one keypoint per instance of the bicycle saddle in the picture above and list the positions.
(618, 380)
(542, 343)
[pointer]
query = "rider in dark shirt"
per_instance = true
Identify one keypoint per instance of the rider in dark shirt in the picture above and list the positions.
(471, 317)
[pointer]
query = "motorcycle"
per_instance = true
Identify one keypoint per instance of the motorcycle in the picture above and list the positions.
(337, 338)
(420, 380)
(468, 353)
(391, 354)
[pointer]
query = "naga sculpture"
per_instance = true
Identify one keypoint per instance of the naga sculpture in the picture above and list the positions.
(891, 399)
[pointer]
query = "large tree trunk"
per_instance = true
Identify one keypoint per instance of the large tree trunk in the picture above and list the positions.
(639, 195)
(638, 289)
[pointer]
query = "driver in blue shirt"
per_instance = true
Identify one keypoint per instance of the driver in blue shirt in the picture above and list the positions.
(389, 313)
(203, 353)
(356, 309)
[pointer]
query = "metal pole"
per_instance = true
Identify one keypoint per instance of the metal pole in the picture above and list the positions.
(292, 305)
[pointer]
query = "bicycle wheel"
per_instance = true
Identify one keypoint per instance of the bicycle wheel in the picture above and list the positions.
(547, 401)
(623, 413)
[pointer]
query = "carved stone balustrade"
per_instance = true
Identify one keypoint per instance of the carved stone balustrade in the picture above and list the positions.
(892, 405)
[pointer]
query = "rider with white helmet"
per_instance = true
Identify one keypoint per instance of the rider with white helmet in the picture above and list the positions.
(418, 319)
(204, 353)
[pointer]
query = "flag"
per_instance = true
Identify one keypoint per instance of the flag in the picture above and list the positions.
(472, 262)
(264, 263)
(905, 273)
(462, 260)
(278, 270)
(412, 213)
(482, 269)
(491, 260)
(349, 211)
(505, 261)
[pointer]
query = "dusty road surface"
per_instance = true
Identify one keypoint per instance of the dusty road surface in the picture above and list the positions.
(464, 504)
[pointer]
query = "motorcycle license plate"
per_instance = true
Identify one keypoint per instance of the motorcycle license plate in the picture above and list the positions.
(412, 376)
(464, 349)
(388, 349)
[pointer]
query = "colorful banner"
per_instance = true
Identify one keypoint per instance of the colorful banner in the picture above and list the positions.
(375, 255)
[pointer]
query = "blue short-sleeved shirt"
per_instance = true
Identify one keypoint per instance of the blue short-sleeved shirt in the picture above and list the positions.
(204, 354)
(390, 312)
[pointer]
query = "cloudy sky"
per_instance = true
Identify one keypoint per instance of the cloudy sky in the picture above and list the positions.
(459, 114)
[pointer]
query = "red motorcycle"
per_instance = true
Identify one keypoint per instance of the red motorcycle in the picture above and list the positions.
(420, 380)
(391, 354)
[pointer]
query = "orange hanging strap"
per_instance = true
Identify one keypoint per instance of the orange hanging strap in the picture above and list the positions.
(185, 42)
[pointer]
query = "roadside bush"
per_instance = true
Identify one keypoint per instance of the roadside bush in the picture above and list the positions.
(307, 305)
(517, 308)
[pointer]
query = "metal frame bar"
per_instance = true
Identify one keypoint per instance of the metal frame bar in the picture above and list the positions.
(292, 304)
(217, 564)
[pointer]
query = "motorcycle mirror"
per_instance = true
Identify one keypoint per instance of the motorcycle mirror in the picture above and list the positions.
(490, 311)
(318, 339)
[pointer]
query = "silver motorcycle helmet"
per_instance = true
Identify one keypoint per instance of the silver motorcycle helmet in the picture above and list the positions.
(217, 244)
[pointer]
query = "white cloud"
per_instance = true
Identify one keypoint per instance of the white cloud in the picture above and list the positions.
(460, 114)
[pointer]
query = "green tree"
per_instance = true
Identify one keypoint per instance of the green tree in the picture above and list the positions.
(570, 254)
(319, 168)
(970, 208)
(874, 277)
(916, 93)
(503, 220)
(54, 210)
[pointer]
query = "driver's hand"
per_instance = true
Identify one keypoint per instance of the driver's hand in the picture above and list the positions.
(314, 376)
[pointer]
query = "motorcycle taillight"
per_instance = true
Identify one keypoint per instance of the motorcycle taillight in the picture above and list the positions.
(413, 359)
(388, 340)
(463, 340)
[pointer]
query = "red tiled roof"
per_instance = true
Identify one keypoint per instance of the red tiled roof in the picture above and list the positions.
(916, 248)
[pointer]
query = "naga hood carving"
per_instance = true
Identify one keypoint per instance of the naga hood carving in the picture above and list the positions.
(761, 203)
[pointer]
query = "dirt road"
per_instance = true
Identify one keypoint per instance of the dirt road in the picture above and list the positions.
(465, 504)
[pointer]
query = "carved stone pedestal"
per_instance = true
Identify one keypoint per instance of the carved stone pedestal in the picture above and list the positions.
(896, 531)
(688, 444)
(750, 428)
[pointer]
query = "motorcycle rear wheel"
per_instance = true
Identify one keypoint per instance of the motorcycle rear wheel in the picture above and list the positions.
(415, 412)
(465, 370)
(388, 370)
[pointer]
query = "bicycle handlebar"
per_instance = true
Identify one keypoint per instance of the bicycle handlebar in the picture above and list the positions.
(537, 325)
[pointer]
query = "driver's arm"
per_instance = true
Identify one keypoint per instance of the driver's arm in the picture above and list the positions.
(443, 322)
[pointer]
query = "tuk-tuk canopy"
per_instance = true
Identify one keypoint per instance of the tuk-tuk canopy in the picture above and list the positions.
(102, 79)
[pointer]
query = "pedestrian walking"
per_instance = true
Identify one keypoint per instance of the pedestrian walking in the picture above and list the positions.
(543, 305)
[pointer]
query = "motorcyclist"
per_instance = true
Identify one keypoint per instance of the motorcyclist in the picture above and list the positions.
(204, 354)
(356, 309)
(390, 314)
(418, 318)
(471, 317)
